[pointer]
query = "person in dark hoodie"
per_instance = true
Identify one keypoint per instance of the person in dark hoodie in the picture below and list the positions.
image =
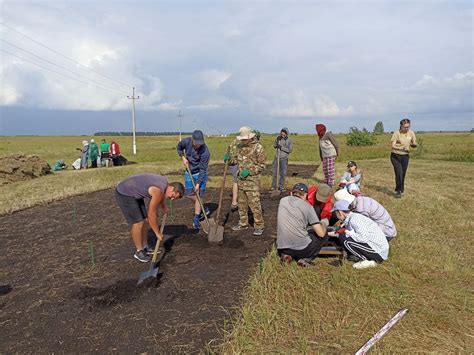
(283, 146)
(328, 150)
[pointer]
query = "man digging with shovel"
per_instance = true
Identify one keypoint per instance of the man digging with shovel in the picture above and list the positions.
(195, 156)
(131, 194)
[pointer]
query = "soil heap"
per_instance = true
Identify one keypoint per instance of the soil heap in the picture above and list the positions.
(20, 167)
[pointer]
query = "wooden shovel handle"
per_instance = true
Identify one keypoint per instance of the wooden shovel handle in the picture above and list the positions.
(157, 246)
(226, 165)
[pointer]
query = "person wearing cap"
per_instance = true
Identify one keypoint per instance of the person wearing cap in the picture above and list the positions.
(294, 217)
(195, 155)
(321, 199)
(402, 140)
(352, 177)
(360, 236)
(250, 157)
(328, 151)
(283, 146)
(370, 208)
(93, 153)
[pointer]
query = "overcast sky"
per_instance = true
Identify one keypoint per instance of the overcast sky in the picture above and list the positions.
(226, 64)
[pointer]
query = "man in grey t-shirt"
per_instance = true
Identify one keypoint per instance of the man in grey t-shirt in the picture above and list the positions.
(294, 216)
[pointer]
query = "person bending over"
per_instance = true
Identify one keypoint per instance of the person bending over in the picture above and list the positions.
(294, 217)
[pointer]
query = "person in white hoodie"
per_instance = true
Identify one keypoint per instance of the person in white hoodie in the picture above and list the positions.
(360, 236)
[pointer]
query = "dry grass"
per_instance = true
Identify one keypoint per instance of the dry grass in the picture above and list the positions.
(288, 309)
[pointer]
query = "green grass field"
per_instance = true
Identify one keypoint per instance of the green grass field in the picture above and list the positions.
(287, 309)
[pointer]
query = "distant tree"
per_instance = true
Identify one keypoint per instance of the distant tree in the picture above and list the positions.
(378, 129)
(357, 137)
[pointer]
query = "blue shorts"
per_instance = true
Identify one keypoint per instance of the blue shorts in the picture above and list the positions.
(188, 185)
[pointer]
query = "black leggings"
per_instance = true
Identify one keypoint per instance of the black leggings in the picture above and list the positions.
(361, 250)
(400, 166)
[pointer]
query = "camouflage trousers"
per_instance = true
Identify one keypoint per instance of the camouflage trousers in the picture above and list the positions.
(250, 198)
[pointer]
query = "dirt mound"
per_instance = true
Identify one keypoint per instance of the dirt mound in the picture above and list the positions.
(19, 167)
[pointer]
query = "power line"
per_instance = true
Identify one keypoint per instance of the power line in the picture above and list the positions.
(57, 65)
(62, 55)
(54, 71)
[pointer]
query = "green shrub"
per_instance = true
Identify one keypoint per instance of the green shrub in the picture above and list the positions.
(358, 137)
(378, 129)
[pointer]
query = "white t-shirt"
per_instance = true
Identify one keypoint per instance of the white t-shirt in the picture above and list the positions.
(294, 216)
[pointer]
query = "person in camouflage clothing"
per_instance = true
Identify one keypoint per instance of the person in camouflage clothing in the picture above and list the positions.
(250, 157)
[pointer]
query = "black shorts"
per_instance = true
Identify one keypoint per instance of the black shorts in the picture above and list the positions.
(133, 209)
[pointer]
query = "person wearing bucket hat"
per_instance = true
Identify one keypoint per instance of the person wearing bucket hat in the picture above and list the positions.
(352, 178)
(328, 151)
(195, 155)
(369, 207)
(320, 198)
(362, 237)
(294, 216)
(250, 156)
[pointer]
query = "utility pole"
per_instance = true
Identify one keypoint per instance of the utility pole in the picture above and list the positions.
(179, 115)
(133, 98)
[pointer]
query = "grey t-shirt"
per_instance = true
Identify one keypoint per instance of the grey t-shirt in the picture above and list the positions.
(294, 216)
(137, 186)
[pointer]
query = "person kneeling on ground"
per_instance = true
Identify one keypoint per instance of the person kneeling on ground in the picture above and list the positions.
(293, 239)
(371, 208)
(360, 236)
(321, 199)
(130, 195)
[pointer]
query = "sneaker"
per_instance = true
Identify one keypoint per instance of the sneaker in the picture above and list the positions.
(305, 262)
(196, 223)
(285, 258)
(240, 227)
(398, 194)
(234, 208)
(201, 215)
(258, 231)
(364, 264)
(141, 256)
(353, 258)
(282, 190)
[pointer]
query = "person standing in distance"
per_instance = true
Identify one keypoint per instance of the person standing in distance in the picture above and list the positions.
(402, 140)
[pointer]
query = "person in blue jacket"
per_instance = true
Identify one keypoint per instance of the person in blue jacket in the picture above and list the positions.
(195, 155)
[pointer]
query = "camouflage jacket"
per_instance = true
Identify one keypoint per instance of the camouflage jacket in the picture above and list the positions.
(251, 157)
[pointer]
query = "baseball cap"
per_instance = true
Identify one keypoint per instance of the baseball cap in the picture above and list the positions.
(198, 137)
(300, 187)
(341, 205)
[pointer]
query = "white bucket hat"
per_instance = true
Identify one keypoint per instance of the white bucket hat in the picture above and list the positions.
(344, 195)
(245, 133)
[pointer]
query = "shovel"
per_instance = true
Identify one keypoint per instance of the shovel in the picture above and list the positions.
(211, 223)
(216, 234)
(153, 272)
(277, 192)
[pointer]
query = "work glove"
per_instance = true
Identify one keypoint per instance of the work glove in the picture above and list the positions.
(226, 157)
(341, 231)
(413, 145)
(342, 184)
(244, 173)
(325, 222)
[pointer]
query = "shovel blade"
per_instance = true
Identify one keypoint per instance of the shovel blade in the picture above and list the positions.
(148, 275)
(216, 234)
(208, 227)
